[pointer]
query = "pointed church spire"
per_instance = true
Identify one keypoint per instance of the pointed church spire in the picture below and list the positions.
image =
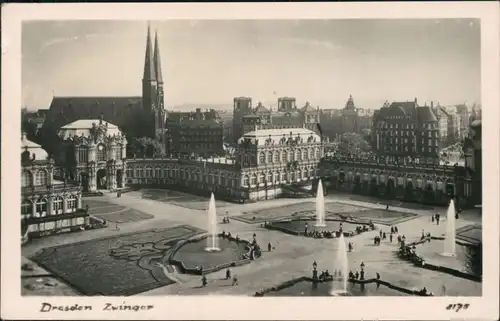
(149, 72)
(157, 60)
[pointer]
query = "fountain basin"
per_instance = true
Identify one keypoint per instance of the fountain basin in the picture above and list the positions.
(297, 226)
(193, 254)
(306, 287)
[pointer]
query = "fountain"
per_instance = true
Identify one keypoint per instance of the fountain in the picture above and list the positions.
(212, 240)
(342, 266)
(320, 206)
(449, 242)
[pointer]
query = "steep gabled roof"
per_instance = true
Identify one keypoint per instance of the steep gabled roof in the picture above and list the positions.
(308, 108)
(149, 68)
(157, 60)
(425, 114)
(260, 109)
(116, 110)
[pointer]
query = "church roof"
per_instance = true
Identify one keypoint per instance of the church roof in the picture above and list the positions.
(116, 110)
(157, 61)
(350, 103)
(149, 68)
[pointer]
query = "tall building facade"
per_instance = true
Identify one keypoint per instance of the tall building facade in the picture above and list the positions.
(405, 131)
(287, 115)
(199, 133)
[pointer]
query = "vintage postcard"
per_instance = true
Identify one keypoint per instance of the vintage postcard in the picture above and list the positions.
(250, 161)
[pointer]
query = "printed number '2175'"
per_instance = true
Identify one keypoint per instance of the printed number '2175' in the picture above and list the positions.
(457, 307)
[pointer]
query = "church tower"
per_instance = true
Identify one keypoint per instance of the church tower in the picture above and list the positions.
(149, 85)
(159, 112)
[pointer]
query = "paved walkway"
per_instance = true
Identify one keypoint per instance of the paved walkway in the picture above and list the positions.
(292, 256)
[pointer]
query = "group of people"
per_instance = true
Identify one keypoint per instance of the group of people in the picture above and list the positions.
(204, 281)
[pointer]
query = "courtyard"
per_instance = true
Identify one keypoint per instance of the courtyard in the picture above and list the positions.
(130, 261)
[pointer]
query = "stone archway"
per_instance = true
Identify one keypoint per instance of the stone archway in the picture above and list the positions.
(390, 188)
(374, 187)
(84, 179)
(101, 179)
(119, 178)
(428, 193)
(409, 191)
(357, 184)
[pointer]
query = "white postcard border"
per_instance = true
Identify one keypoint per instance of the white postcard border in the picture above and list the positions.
(13, 306)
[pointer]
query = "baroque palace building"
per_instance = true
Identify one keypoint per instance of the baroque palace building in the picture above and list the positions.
(94, 154)
(266, 162)
(47, 205)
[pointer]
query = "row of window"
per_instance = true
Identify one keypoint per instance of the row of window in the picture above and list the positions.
(40, 178)
(286, 156)
(406, 126)
(101, 153)
(41, 206)
(158, 172)
(418, 183)
(277, 177)
(48, 226)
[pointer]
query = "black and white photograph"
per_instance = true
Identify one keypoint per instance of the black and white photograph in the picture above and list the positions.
(330, 158)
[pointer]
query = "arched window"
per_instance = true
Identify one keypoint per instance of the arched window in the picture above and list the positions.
(165, 172)
(157, 172)
(57, 206)
(245, 180)
(298, 155)
(41, 207)
(269, 157)
(291, 175)
(253, 181)
(130, 172)
(71, 204)
(262, 158)
(26, 207)
(83, 154)
(311, 172)
(41, 178)
(299, 174)
(284, 156)
(304, 173)
(262, 178)
(290, 156)
(283, 177)
(149, 172)
(276, 157)
(101, 153)
(276, 177)
(269, 178)
(309, 154)
(304, 154)
(317, 153)
(26, 179)
(118, 152)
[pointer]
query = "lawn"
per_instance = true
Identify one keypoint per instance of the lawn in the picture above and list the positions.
(118, 265)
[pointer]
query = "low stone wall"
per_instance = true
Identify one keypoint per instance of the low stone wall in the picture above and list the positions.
(270, 226)
(420, 261)
(292, 282)
(212, 269)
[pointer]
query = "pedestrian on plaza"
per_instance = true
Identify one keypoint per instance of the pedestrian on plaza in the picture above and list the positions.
(204, 281)
(117, 227)
(380, 233)
(228, 274)
(387, 207)
(432, 218)
(235, 280)
(437, 218)
(269, 247)
(390, 237)
(396, 229)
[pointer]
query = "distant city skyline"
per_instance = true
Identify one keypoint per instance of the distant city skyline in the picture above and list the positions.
(212, 61)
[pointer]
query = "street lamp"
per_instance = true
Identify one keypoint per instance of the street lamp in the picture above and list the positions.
(362, 265)
(315, 265)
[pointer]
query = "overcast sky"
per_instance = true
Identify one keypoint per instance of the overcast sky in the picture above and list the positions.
(210, 62)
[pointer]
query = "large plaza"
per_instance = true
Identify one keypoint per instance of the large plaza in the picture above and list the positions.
(127, 257)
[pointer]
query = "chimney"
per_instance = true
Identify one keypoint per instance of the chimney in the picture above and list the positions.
(432, 104)
(415, 100)
(198, 113)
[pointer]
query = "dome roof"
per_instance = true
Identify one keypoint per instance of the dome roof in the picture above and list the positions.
(33, 148)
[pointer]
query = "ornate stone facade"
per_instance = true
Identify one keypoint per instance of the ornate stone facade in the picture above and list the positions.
(97, 155)
(430, 184)
(267, 161)
(47, 205)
